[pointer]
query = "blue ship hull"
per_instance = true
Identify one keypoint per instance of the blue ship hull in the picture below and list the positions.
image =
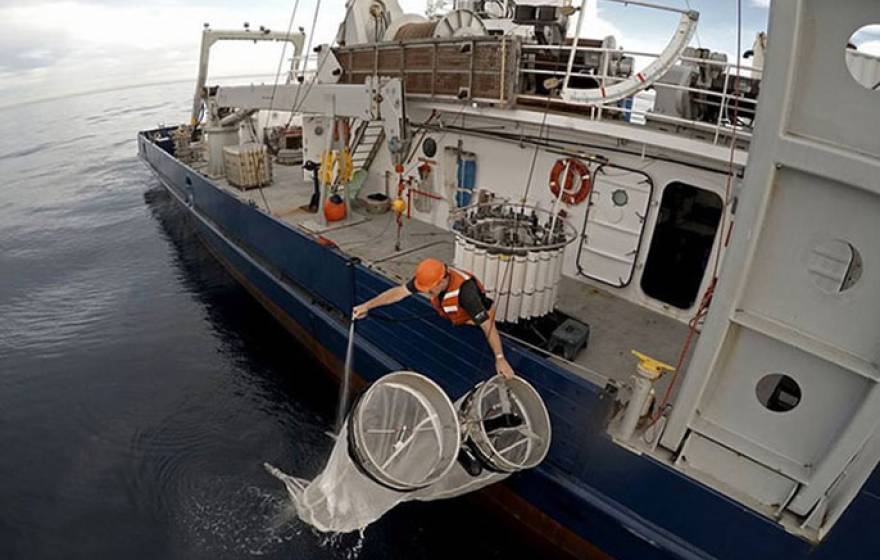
(590, 497)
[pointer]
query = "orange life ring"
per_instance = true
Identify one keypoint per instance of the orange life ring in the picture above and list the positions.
(577, 180)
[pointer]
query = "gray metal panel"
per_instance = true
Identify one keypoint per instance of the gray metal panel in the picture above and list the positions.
(812, 189)
(825, 89)
(701, 458)
(831, 395)
(806, 212)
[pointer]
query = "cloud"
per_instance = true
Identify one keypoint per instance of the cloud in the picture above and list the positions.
(55, 47)
(597, 26)
(24, 50)
(867, 39)
(870, 47)
(761, 3)
(866, 33)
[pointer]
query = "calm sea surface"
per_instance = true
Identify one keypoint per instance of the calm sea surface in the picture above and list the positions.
(141, 388)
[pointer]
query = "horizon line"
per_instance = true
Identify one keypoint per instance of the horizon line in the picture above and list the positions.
(120, 88)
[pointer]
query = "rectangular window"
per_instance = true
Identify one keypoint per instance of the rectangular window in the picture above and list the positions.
(682, 244)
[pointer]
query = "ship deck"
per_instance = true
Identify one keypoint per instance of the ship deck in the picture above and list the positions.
(617, 326)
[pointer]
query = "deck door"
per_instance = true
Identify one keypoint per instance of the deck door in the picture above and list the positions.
(613, 224)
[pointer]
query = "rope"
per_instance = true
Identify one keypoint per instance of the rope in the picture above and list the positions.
(541, 133)
(703, 309)
(272, 103)
(682, 355)
(373, 238)
(346, 379)
(425, 126)
(534, 156)
(309, 47)
(730, 161)
(281, 59)
(297, 100)
(258, 161)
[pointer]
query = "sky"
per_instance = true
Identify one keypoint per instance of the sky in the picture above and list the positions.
(56, 47)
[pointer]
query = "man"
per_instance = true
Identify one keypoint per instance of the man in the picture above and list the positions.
(455, 295)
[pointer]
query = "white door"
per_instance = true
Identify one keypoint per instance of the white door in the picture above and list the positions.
(613, 225)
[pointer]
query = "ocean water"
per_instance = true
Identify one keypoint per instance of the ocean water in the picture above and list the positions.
(141, 388)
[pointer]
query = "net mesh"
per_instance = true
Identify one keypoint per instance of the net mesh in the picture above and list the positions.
(507, 428)
(508, 424)
(399, 434)
(402, 442)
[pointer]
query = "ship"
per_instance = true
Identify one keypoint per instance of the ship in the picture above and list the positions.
(681, 248)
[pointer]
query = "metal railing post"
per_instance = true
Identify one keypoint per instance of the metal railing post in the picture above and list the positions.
(606, 57)
(574, 45)
(723, 103)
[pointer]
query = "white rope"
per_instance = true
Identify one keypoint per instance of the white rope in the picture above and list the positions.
(283, 52)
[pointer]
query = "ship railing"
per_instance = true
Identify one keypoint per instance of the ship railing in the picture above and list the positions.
(304, 66)
(725, 99)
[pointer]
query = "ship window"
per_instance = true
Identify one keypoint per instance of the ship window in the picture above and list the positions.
(682, 244)
(834, 266)
(778, 392)
(861, 57)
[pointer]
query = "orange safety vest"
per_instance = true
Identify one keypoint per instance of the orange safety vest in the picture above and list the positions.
(448, 307)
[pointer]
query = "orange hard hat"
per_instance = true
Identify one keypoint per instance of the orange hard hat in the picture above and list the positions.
(429, 273)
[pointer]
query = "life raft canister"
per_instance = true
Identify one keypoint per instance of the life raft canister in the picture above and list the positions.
(577, 182)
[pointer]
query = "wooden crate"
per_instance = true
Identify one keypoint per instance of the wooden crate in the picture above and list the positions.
(247, 165)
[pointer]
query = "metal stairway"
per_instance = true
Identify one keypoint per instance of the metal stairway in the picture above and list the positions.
(367, 139)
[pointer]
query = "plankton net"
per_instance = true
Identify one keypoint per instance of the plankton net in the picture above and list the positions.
(401, 435)
(405, 440)
(505, 429)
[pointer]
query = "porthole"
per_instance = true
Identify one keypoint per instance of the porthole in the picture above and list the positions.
(778, 392)
(429, 147)
(620, 197)
(834, 266)
(863, 56)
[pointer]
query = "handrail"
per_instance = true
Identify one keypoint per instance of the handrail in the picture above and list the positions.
(722, 99)
(656, 86)
(650, 5)
(641, 79)
(706, 61)
(742, 132)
